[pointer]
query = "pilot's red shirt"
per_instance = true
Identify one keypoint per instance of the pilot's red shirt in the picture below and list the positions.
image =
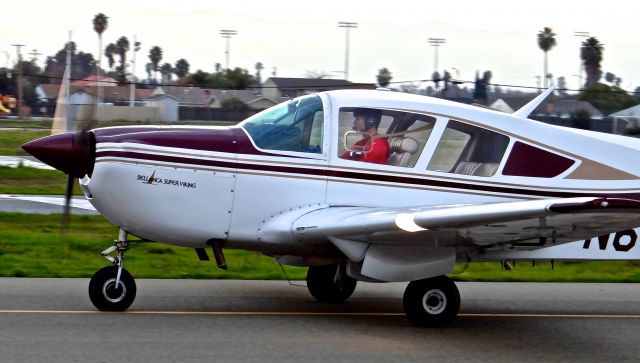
(379, 153)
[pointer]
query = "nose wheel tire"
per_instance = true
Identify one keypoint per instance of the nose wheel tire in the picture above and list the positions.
(433, 302)
(106, 295)
(330, 284)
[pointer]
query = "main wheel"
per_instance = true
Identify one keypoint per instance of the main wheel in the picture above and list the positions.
(328, 285)
(104, 293)
(433, 302)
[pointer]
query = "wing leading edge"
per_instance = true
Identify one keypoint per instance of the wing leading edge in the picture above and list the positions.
(564, 220)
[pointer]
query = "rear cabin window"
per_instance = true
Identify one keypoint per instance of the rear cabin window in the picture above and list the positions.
(404, 134)
(291, 126)
(469, 150)
(527, 160)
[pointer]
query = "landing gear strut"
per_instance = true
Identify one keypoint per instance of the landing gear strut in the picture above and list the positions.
(432, 302)
(330, 283)
(112, 288)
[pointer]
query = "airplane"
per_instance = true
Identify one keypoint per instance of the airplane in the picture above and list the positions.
(461, 184)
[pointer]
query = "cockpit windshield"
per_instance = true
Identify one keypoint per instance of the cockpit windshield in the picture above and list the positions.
(290, 126)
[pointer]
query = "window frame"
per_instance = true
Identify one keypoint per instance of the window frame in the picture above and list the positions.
(326, 126)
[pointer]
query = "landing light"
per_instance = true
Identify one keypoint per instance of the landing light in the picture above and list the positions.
(405, 222)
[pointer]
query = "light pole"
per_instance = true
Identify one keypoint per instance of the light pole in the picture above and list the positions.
(580, 35)
(435, 43)
(346, 25)
(227, 34)
(132, 85)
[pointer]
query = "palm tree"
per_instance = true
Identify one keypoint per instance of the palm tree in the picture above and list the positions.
(100, 24)
(166, 70)
(155, 56)
(383, 77)
(109, 52)
(591, 55)
(546, 41)
(181, 68)
(122, 47)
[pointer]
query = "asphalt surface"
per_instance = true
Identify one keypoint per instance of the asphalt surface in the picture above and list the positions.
(43, 204)
(52, 320)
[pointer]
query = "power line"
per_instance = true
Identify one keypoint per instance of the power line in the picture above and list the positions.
(345, 85)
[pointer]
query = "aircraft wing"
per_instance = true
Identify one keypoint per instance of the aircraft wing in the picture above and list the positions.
(406, 244)
(558, 220)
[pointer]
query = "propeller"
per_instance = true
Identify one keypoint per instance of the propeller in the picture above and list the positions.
(82, 144)
(72, 153)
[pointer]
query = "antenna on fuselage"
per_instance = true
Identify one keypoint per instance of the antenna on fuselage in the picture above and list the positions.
(525, 110)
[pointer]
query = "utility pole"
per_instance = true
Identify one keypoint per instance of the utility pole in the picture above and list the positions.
(227, 34)
(34, 54)
(435, 43)
(132, 85)
(19, 71)
(580, 35)
(347, 25)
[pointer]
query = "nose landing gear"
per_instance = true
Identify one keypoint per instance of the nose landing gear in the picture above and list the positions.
(113, 288)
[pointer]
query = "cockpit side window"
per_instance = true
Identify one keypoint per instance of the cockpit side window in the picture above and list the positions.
(291, 126)
(469, 150)
(382, 136)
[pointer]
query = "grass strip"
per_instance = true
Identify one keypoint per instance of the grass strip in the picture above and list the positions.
(32, 246)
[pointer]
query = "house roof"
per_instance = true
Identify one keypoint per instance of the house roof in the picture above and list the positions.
(631, 111)
(516, 102)
(322, 83)
(111, 94)
(159, 97)
(186, 95)
(246, 96)
(567, 107)
(92, 80)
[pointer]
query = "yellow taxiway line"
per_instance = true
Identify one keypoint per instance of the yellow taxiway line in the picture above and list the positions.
(327, 314)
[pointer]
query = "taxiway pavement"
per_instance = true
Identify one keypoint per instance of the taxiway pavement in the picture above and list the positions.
(44, 204)
(52, 320)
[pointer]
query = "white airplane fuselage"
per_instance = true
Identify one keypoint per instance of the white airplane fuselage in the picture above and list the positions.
(189, 185)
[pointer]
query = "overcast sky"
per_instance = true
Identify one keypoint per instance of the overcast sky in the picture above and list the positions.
(301, 36)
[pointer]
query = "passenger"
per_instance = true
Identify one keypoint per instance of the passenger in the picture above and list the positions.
(368, 120)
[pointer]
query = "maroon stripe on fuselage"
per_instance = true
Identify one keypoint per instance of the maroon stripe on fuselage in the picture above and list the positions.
(219, 139)
(361, 176)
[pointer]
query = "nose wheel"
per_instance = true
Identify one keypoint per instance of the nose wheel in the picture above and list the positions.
(112, 288)
(109, 294)
(433, 302)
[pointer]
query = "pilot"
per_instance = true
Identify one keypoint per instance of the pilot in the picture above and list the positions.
(367, 121)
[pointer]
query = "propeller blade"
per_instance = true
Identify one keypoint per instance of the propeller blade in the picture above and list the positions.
(66, 214)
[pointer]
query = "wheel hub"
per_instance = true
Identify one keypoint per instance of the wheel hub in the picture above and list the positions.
(113, 293)
(434, 301)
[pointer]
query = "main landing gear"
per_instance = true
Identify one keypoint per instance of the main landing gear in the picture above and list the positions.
(330, 283)
(432, 302)
(112, 288)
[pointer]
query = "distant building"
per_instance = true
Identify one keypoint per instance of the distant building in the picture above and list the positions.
(213, 98)
(255, 101)
(561, 108)
(277, 88)
(91, 81)
(631, 111)
(510, 104)
(167, 105)
(566, 108)
(48, 93)
(186, 96)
